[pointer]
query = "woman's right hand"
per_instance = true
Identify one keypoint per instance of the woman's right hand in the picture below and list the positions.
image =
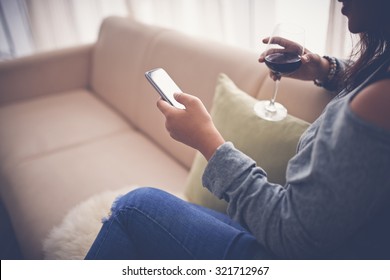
(193, 125)
(313, 65)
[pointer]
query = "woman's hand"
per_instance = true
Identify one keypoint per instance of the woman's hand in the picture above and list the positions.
(313, 65)
(192, 126)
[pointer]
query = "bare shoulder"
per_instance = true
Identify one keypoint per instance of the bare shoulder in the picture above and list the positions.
(373, 104)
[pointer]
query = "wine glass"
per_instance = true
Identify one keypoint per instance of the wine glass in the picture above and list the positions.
(282, 56)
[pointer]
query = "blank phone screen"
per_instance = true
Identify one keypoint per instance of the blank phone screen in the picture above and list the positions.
(164, 85)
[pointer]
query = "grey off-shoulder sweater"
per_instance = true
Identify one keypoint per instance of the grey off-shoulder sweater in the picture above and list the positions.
(336, 201)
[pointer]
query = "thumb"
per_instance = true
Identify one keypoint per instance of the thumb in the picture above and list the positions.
(183, 98)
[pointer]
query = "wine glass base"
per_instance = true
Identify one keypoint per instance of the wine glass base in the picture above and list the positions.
(261, 110)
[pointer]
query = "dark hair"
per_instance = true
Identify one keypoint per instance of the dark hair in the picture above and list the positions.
(373, 50)
(373, 47)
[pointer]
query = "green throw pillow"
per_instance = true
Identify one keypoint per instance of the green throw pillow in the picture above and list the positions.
(270, 144)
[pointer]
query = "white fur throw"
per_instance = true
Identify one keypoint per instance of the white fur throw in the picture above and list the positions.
(72, 239)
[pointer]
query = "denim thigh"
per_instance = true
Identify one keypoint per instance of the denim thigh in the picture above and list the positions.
(149, 223)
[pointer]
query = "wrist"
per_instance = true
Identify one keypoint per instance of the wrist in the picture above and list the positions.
(329, 68)
(211, 144)
(324, 69)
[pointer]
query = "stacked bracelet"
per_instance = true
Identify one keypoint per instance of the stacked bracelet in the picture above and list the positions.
(331, 74)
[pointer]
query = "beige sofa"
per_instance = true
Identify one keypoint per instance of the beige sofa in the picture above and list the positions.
(77, 122)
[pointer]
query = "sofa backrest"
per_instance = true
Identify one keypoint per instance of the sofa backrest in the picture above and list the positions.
(126, 49)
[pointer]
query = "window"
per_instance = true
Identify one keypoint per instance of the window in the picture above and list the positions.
(29, 26)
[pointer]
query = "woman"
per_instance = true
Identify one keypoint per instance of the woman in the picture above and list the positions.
(335, 203)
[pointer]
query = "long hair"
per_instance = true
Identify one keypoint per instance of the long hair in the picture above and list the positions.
(372, 49)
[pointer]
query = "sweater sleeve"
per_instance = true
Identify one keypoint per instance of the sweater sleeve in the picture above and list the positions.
(335, 185)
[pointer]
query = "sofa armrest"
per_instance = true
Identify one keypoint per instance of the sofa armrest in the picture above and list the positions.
(45, 73)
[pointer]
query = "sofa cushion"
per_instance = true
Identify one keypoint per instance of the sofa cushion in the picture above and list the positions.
(43, 125)
(270, 144)
(118, 62)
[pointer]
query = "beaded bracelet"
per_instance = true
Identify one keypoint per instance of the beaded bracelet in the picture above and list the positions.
(331, 74)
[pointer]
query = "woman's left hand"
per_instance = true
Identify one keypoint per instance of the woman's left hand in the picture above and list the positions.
(192, 126)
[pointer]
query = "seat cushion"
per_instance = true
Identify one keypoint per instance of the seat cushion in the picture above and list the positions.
(43, 125)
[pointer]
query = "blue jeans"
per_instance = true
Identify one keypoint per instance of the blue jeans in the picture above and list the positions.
(149, 223)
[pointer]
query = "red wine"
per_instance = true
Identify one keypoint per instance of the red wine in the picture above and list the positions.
(283, 63)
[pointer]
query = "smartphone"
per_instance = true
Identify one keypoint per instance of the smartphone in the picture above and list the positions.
(164, 85)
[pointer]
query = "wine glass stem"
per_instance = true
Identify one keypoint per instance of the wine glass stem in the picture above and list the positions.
(271, 106)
